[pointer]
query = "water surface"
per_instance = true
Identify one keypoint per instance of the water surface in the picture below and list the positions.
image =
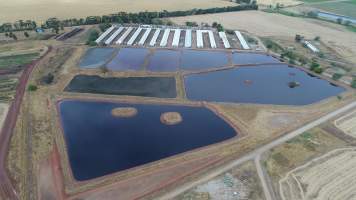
(267, 84)
(99, 144)
(129, 59)
(96, 57)
(197, 60)
(164, 61)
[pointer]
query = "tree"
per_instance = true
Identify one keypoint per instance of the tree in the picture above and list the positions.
(314, 65)
(104, 26)
(191, 24)
(14, 36)
(26, 34)
(92, 37)
(32, 88)
(353, 83)
(318, 70)
(337, 76)
(104, 69)
(312, 14)
(339, 20)
(47, 79)
(298, 38)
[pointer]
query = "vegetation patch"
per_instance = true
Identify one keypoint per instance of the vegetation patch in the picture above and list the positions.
(7, 88)
(7, 62)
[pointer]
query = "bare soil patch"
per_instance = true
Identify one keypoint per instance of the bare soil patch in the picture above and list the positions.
(238, 183)
(347, 124)
(171, 118)
(124, 112)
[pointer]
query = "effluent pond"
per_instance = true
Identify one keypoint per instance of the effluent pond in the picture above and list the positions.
(170, 60)
(100, 143)
(268, 84)
(251, 78)
(96, 57)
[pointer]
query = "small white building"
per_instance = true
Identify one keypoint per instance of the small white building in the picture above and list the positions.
(188, 38)
(311, 47)
(106, 33)
(155, 37)
(242, 40)
(124, 36)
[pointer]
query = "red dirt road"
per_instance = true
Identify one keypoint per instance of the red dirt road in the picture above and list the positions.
(7, 190)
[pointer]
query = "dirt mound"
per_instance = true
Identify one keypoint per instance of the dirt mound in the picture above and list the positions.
(124, 112)
(171, 118)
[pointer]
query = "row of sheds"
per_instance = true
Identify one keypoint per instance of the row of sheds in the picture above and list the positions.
(111, 36)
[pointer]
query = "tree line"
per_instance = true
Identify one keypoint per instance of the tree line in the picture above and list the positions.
(121, 17)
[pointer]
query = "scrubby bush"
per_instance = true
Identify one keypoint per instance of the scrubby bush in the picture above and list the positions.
(92, 37)
(47, 79)
(353, 83)
(32, 88)
(337, 76)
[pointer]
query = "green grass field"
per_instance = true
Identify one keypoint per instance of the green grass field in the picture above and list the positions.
(6, 62)
(7, 88)
(347, 8)
(314, 1)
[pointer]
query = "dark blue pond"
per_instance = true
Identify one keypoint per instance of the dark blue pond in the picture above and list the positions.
(128, 59)
(99, 144)
(196, 60)
(95, 57)
(262, 85)
(252, 58)
(164, 61)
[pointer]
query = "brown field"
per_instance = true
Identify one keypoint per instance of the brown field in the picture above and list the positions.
(275, 25)
(297, 152)
(347, 124)
(3, 111)
(331, 176)
(40, 10)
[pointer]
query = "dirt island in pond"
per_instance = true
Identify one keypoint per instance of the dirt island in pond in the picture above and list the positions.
(171, 118)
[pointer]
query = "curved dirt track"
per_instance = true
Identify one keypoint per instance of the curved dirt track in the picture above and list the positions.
(7, 190)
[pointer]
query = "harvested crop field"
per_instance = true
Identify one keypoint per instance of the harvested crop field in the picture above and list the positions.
(162, 87)
(40, 10)
(269, 25)
(332, 176)
(3, 111)
(347, 124)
